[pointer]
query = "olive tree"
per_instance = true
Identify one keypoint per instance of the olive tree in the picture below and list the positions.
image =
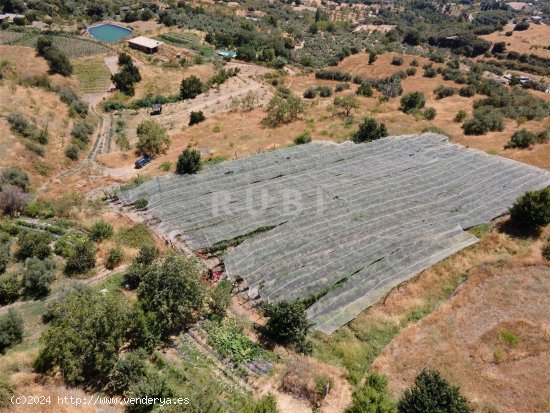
(152, 138)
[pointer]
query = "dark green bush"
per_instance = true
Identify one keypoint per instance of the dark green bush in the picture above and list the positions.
(310, 93)
(365, 89)
(72, 152)
(9, 288)
(369, 130)
(101, 230)
(532, 210)
(33, 244)
(189, 162)
(443, 92)
(432, 393)
(412, 101)
(325, 91)
(302, 138)
(196, 117)
(11, 330)
(397, 60)
(429, 113)
(287, 324)
(37, 277)
(115, 255)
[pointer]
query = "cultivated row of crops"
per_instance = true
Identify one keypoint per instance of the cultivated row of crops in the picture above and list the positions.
(74, 47)
(345, 222)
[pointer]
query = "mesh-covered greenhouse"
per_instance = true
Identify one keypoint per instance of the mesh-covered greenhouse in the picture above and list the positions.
(346, 222)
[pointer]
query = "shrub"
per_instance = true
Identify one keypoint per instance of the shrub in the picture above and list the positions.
(429, 113)
(430, 72)
(58, 61)
(287, 324)
(13, 200)
(81, 258)
(333, 75)
(372, 397)
(302, 138)
(5, 254)
(115, 255)
(310, 93)
(101, 230)
(128, 371)
(372, 57)
(11, 330)
(546, 250)
(9, 288)
(7, 391)
(467, 91)
(81, 132)
(365, 89)
(532, 210)
(415, 100)
(432, 393)
(151, 387)
(460, 116)
(141, 203)
(37, 277)
(397, 60)
(165, 166)
(521, 26)
(341, 87)
(325, 91)
(411, 71)
(190, 87)
(443, 92)
(485, 119)
(33, 244)
(524, 139)
(152, 138)
(15, 176)
(189, 162)
(72, 152)
(369, 131)
(220, 299)
(196, 117)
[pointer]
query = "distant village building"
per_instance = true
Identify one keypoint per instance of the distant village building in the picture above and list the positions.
(145, 44)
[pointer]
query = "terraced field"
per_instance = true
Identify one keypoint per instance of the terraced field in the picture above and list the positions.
(186, 40)
(342, 222)
(73, 47)
(94, 75)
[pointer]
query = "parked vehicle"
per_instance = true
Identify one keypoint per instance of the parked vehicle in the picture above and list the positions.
(141, 162)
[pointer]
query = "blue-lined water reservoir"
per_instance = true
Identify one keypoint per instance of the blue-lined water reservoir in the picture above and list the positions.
(109, 32)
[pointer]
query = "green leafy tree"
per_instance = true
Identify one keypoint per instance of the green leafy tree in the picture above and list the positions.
(38, 275)
(189, 162)
(532, 210)
(286, 109)
(84, 335)
(432, 394)
(370, 130)
(152, 138)
(33, 244)
(174, 292)
(288, 325)
(11, 330)
(81, 258)
(346, 104)
(190, 87)
(415, 100)
(101, 230)
(524, 139)
(9, 288)
(372, 397)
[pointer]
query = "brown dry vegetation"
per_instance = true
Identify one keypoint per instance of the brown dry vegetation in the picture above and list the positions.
(464, 340)
(532, 40)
